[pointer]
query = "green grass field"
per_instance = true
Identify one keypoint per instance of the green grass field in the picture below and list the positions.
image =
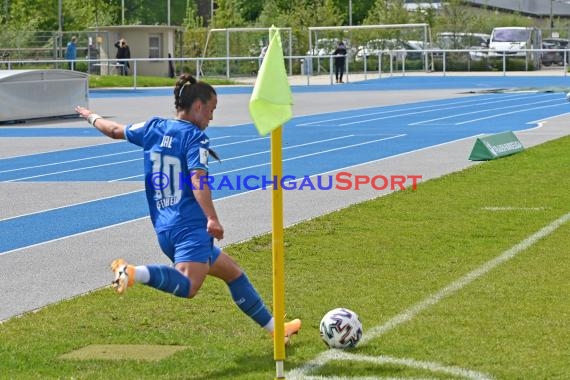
(99, 81)
(382, 258)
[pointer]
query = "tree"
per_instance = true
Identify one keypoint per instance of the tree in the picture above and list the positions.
(250, 9)
(455, 17)
(360, 9)
(227, 15)
(191, 18)
(388, 12)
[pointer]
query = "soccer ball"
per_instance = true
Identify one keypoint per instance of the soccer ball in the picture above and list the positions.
(341, 328)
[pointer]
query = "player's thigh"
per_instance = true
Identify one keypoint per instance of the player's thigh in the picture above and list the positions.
(225, 268)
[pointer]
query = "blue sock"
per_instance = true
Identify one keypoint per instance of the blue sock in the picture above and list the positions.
(169, 280)
(249, 300)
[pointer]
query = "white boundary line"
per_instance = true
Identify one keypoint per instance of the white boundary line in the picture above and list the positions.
(433, 299)
(511, 208)
(432, 367)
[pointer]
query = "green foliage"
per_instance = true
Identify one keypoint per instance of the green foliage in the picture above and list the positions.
(388, 12)
(360, 9)
(228, 15)
(191, 19)
(250, 9)
(455, 17)
(272, 14)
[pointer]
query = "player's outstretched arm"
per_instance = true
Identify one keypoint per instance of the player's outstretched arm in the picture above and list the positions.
(107, 127)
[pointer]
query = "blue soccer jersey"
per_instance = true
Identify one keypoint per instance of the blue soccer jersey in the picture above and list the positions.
(172, 150)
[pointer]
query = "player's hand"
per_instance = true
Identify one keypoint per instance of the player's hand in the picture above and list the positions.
(83, 112)
(215, 229)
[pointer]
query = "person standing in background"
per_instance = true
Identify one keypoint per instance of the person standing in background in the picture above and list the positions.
(339, 61)
(71, 53)
(123, 53)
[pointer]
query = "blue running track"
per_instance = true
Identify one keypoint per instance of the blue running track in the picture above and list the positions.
(312, 145)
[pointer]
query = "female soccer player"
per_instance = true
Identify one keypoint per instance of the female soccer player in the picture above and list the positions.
(180, 203)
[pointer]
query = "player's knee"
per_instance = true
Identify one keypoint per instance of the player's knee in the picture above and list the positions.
(194, 288)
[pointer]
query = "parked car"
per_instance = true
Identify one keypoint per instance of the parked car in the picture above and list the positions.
(398, 49)
(326, 46)
(551, 57)
(518, 42)
(555, 57)
(476, 43)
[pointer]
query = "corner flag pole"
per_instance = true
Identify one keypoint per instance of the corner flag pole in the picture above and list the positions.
(278, 254)
(270, 108)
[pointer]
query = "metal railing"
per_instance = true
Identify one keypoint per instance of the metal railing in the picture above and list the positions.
(386, 62)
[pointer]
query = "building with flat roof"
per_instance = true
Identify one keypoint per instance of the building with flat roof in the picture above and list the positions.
(534, 8)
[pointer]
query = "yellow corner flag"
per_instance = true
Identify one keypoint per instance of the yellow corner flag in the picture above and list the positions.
(270, 107)
(271, 102)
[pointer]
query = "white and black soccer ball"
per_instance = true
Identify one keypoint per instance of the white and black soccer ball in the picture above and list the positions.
(341, 328)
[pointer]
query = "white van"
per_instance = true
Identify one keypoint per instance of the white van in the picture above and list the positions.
(513, 40)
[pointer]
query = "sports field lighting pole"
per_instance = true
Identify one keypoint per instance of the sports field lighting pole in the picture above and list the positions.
(59, 16)
(59, 42)
(551, 18)
(122, 12)
(350, 12)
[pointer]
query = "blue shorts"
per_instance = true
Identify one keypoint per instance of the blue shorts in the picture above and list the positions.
(188, 244)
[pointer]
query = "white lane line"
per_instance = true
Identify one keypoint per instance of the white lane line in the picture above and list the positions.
(448, 290)
(250, 154)
(400, 109)
(81, 159)
(313, 154)
(89, 167)
(432, 109)
(243, 141)
(73, 170)
(249, 167)
(70, 161)
(61, 150)
(485, 110)
(509, 113)
(73, 235)
(71, 205)
(548, 118)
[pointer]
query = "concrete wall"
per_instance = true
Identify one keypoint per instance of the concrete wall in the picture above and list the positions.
(33, 94)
